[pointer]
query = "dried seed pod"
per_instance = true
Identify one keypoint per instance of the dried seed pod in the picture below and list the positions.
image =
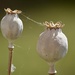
(11, 24)
(52, 44)
(11, 27)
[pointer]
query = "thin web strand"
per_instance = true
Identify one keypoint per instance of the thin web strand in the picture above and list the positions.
(32, 20)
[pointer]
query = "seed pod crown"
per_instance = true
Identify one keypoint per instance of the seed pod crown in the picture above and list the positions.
(51, 25)
(9, 11)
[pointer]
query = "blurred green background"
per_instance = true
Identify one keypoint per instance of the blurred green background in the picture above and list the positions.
(25, 56)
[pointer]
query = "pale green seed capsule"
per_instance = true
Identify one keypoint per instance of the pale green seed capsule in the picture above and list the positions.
(52, 43)
(11, 25)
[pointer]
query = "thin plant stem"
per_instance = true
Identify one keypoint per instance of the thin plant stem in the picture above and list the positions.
(52, 74)
(10, 60)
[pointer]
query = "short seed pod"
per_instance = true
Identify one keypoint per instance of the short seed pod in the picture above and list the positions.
(11, 25)
(52, 44)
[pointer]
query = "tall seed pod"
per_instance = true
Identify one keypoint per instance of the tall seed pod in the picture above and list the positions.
(52, 44)
(11, 27)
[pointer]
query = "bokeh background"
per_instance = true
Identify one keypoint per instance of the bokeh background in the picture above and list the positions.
(25, 56)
